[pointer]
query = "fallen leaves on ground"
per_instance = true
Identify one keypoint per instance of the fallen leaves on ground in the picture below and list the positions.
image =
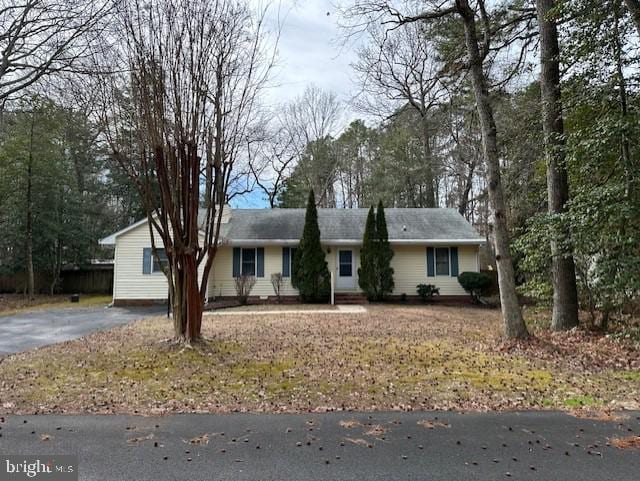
(431, 424)
(10, 303)
(350, 424)
(392, 358)
(598, 415)
(376, 431)
(358, 441)
(202, 440)
(16, 303)
(140, 439)
(630, 442)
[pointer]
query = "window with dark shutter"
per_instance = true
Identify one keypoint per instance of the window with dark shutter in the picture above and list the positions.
(162, 256)
(454, 262)
(286, 262)
(260, 262)
(237, 252)
(292, 258)
(431, 271)
(442, 261)
(146, 260)
(248, 262)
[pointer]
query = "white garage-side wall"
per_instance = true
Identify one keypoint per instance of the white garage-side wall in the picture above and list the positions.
(129, 282)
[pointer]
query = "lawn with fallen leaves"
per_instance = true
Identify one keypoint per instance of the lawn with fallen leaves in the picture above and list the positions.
(390, 358)
(16, 303)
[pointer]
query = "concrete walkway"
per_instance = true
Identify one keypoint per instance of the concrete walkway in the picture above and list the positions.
(536, 446)
(340, 309)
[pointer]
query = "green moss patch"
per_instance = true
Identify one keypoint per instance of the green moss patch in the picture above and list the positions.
(393, 358)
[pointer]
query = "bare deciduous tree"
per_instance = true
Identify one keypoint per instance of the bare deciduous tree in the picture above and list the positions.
(477, 49)
(634, 8)
(312, 118)
(195, 69)
(399, 68)
(272, 159)
(41, 37)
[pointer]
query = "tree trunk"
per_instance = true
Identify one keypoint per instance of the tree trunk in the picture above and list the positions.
(514, 326)
(627, 159)
(187, 303)
(468, 185)
(634, 9)
(29, 219)
(428, 199)
(565, 294)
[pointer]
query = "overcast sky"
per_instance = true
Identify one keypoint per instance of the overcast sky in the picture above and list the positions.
(310, 50)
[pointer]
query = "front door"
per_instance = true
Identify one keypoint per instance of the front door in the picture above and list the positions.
(346, 270)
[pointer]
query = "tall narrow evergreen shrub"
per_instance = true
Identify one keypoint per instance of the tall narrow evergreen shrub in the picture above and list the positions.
(384, 255)
(375, 275)
(311, 274)
(367, 272)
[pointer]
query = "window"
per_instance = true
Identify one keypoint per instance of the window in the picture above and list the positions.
(157, 266)
(442, 261)
(248, 262)
(288, 254)
(346, 264)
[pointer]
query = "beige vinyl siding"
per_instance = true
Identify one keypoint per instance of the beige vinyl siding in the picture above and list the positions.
(410, 269)
(409, 263)
(221, 278)
(221, 281)
(128, 281)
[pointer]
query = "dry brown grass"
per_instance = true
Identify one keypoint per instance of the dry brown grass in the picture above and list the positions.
(392, 358)
(15, 303)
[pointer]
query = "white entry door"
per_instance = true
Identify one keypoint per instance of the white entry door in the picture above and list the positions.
(346, 269)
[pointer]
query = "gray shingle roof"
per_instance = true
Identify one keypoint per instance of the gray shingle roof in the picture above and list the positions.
(348, 224)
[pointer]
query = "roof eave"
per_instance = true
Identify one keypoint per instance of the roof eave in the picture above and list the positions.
(287, 242)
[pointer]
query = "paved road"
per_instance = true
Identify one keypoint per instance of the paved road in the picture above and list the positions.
(27, 330)
(540, 446)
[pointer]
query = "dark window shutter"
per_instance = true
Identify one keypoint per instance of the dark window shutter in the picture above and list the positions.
(454, 262)
(431, 271)
(260, 262)
(236, 261)
(146, 260)
(293, 257)
(286, 261)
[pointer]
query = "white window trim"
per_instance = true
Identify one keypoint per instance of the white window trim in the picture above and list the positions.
(291, 248)
(351, 263)
(152, 258)
(255, 260)
(435, 261)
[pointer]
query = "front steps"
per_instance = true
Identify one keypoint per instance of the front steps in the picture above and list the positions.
(350, 298)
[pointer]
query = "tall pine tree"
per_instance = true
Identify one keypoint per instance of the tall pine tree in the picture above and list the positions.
(367, 272)
(384, 255)
(311, 274)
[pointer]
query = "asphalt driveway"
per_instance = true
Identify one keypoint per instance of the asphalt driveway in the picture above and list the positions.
(434, 446)
(27, 330)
